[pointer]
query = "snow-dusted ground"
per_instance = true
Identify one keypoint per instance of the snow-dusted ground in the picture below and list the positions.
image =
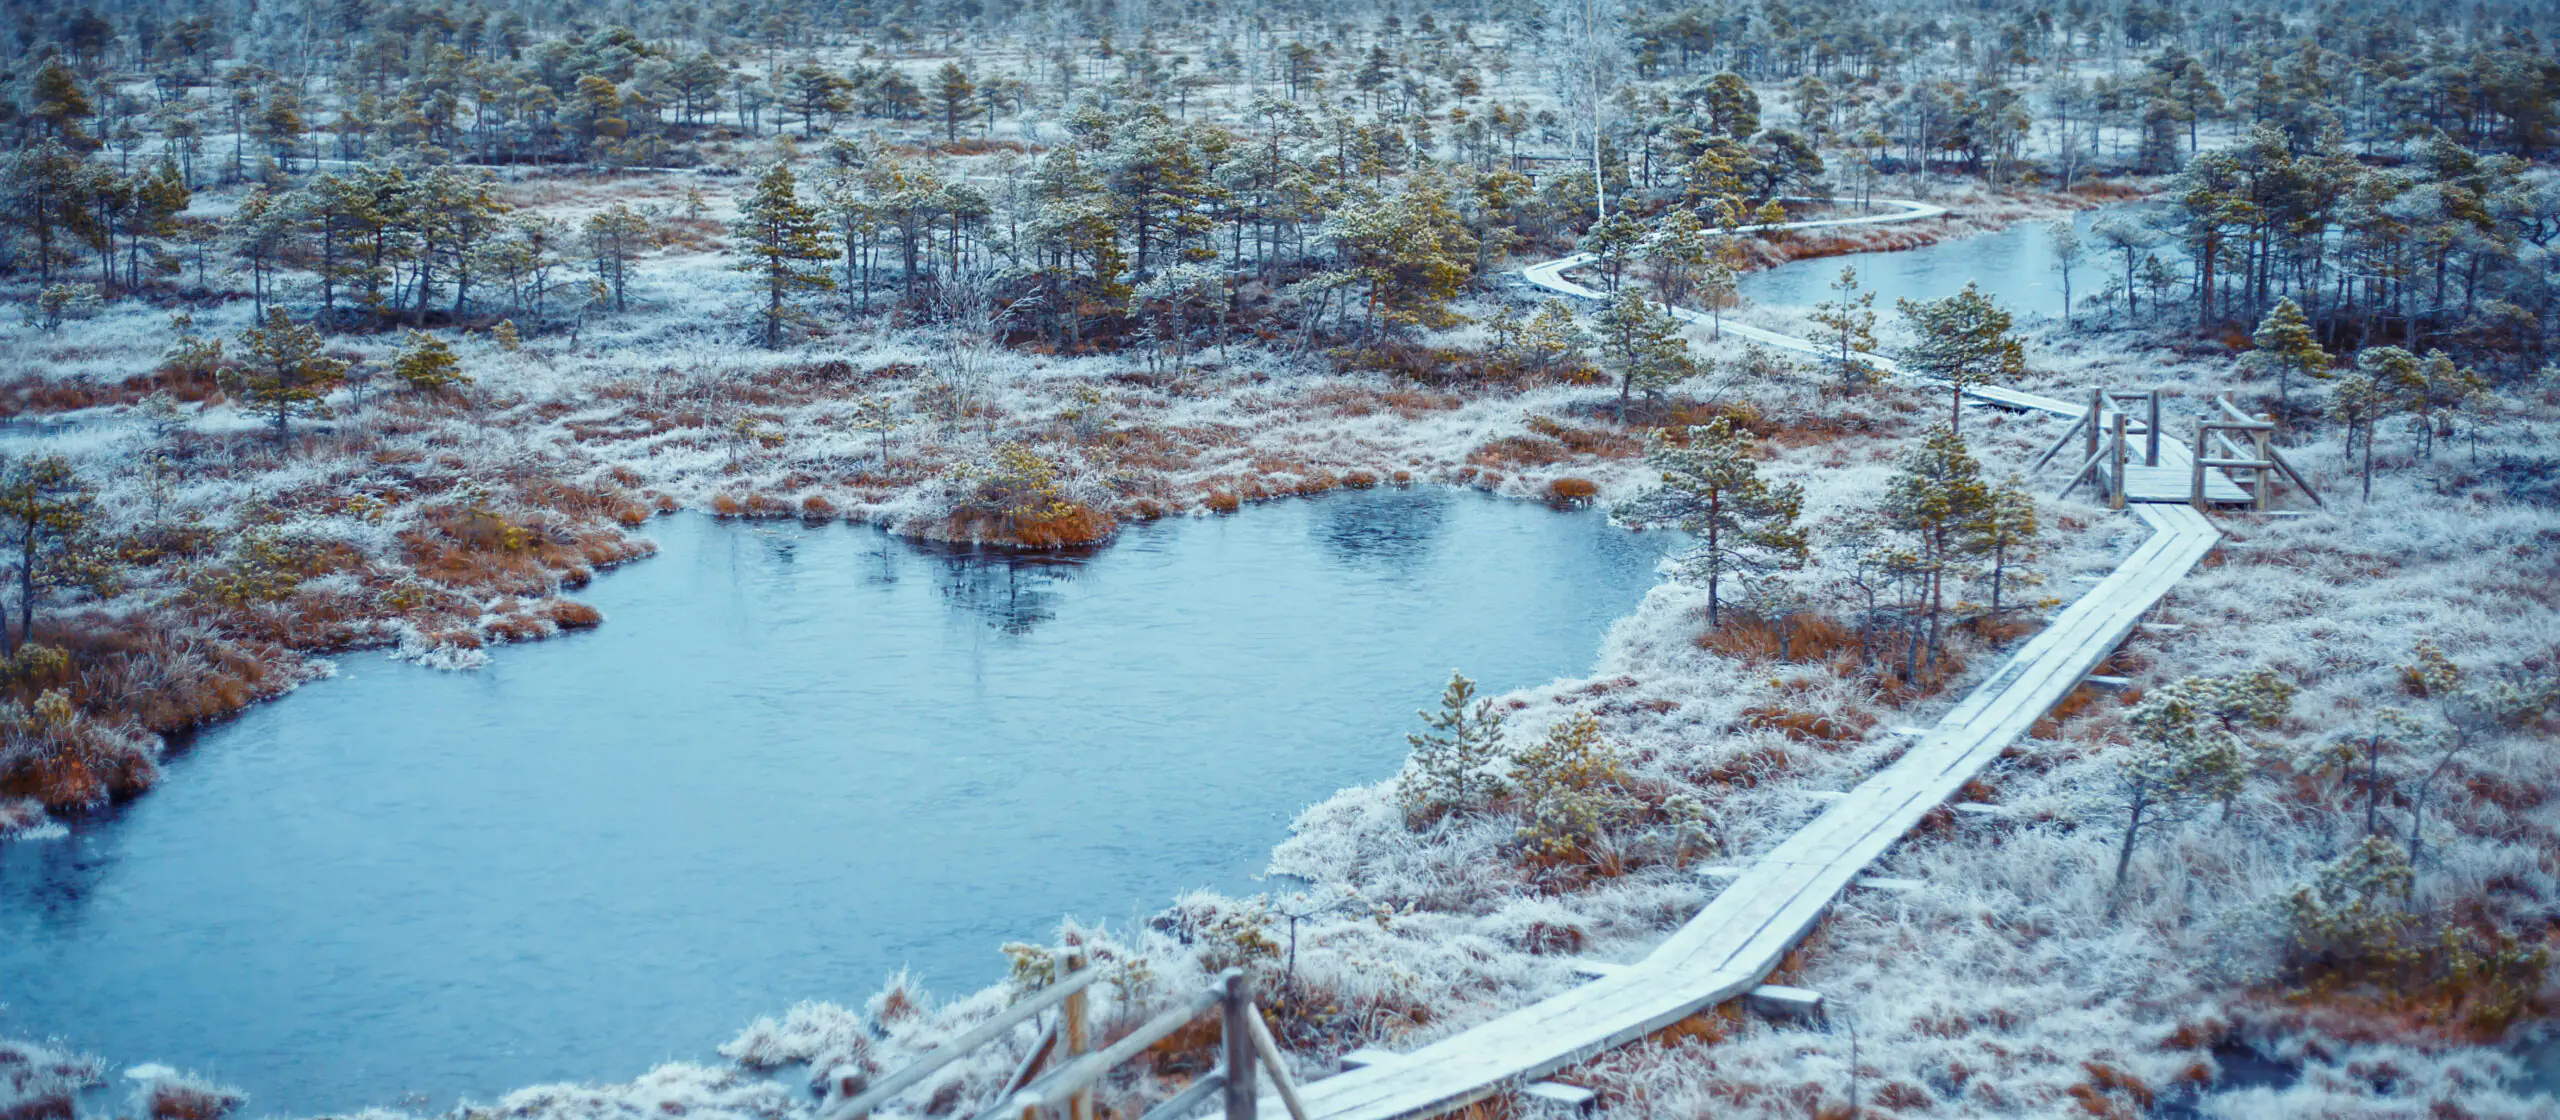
(1999, 989)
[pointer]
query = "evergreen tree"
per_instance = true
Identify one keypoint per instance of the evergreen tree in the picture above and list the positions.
(45, 516)
(956, 96)
(1850, 318)
(1642, 344)
(1938, 497)
(2004, 533)
(2287, 348)
(810, 90)
(2188, 751)
(284, 370)
(781, 238)
(1964, 341)
(1711, 488)
(1452, 768)
(615, 237)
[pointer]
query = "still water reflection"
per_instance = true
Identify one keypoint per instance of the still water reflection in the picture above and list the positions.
(796, 760)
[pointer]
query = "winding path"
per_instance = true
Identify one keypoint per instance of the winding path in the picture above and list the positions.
(1734, 942)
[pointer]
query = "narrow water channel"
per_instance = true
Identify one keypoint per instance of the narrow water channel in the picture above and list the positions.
(795, 760)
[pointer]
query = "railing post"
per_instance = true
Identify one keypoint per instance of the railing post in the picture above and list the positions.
(2266, 469)
(2097, 408)
(2115, 497)
(1072, 1031)
(1238, 1039)
(2195, 491)
(2151, 428)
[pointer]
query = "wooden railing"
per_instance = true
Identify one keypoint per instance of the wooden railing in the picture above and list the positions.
(2219, 445)
(2104, 429)
(1066, 1088)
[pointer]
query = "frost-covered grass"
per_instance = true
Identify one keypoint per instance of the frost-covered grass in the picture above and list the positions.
(444, 525)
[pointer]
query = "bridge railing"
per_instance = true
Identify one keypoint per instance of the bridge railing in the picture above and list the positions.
(2241, 442)
(1056, 1077)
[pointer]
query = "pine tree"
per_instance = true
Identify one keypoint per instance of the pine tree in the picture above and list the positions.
(1938, 497)
(614, 238)
(1452, 767)
(1711, 488)
(956, 96)
(780, 238)
(2004, 533)
(1611, 242)
(1964, 341)
(2433, 391)
(45, 515)
(1850, 316)
(284, 370)
(811, 89)
(2188, 751)
(2287, 348)
(1676, 256)
(1642, 344)
(2362, 396)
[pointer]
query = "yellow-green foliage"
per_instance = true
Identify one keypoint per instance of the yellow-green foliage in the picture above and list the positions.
(1571, 785)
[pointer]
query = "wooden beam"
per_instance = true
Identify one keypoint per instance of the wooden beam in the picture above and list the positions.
(995, 1027)
(2107, 684)
(1574, 1097)
(1186, 1104)
(1779, 1001)
(1368, 1056)
(1272, 1066)
(1236, 996)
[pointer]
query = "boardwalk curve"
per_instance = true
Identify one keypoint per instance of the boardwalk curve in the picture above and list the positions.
(1740, 935)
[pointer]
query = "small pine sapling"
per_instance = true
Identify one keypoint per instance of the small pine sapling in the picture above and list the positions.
(1451, 769)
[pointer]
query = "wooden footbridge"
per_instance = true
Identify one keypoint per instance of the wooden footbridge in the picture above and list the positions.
(1771, 901)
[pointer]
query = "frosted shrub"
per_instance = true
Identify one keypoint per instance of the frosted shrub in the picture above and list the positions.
(1571, 787)
(2347, 929)
(1224, 932)
(40, 1083)
(1451, 767)
(824, 1035)
(52, 751)
(176, 1096)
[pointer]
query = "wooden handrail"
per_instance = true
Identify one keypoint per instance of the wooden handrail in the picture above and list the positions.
(1186, 1104)
(1055, 1087)
(1269, 1048)
(933, 1060)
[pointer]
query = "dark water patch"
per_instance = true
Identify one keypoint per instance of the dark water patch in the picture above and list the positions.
(795, 760)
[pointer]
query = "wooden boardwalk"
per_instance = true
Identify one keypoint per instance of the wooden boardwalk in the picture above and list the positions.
(1741, 934)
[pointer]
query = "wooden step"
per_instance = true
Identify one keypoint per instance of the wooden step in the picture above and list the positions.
(1367, 1056)
(1779, 1001)
(1558, 1093)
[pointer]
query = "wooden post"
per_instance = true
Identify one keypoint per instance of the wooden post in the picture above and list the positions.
(2097, 408)
(2115, 496)
(2151, 426)
(1072, 1031)
(2266, 472)
(2195, 490)
(1238, 1040)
